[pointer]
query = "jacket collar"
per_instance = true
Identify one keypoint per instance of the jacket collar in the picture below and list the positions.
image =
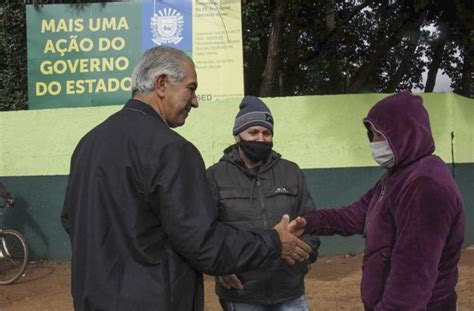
(231, 155)
(142, 107)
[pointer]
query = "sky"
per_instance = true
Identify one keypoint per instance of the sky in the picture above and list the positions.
(442, 84)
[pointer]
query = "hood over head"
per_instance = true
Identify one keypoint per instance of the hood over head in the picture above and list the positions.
(404, 122)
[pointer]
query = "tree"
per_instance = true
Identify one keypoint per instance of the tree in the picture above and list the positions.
(294, 47)
(13, 70)
(334, 46)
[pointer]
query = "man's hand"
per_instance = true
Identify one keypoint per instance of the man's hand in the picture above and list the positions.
(297, 225)
(230, 281)
(292, 248)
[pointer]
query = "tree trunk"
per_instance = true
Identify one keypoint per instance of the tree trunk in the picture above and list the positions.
(466, 84)
(334, 71)
(252, 71)
(433, 68)
(289, 78)
(438, 48)
(254, 57)
(269, 74)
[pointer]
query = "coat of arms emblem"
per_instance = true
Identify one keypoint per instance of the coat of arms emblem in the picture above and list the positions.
(167, 26)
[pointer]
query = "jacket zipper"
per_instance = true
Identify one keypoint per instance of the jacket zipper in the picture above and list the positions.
(371, 215)
(384, 261)
(265, 224)
(262, 204)
(385, 265)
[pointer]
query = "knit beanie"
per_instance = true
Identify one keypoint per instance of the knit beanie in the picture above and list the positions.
(253, 111)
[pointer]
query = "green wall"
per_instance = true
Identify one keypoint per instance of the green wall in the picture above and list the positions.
(464, 175)
(36, 214)
(323, 134)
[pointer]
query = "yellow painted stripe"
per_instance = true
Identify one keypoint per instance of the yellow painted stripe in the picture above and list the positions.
(313, 131)
(463, 129)
(321, 131)
(40, 142)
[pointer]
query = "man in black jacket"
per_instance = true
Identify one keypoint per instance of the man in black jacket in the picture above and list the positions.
(254, 187)
(138, 208)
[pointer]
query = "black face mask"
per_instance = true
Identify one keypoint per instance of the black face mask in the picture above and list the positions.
(256, 151)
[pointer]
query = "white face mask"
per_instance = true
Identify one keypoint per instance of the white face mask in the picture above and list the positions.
(382, 153)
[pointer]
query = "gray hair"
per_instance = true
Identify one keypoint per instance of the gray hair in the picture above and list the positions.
(159, 60)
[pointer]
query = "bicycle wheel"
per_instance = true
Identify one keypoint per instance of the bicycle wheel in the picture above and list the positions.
(13, 256)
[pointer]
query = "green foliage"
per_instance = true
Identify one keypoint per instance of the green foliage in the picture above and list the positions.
(339, 46)
(326, 46)
(13, 70)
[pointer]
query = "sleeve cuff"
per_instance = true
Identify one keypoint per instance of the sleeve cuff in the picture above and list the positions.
(312, 223)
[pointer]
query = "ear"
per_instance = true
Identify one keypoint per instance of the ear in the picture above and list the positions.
(237, 138)
(161, 83)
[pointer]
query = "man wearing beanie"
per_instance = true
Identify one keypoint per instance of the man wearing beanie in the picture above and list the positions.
(254, 187)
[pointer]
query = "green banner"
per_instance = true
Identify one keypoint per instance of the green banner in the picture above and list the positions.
(83, 54)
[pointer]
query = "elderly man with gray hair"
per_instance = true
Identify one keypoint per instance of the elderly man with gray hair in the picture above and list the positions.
(139, 211)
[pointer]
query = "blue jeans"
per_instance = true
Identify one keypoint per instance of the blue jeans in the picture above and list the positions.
(297, 304)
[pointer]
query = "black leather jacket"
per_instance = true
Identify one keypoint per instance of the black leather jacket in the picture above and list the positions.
(255, 200)
(142, 221)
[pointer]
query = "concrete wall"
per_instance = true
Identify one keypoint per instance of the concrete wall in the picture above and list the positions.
(323, 134)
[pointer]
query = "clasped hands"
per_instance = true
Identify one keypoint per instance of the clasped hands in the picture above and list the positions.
(292, 248)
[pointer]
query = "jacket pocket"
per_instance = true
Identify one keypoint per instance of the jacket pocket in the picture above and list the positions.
(291, 191)
(237, 207)
(226, 193)
(282, 199)
(375, 269)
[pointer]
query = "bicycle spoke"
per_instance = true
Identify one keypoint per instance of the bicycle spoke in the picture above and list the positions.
(14, 256)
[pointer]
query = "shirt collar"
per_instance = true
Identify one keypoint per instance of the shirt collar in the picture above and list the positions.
(142, 107)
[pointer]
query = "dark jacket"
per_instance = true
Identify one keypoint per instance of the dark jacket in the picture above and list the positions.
(412, 220)
(251, 200)
(142, 220)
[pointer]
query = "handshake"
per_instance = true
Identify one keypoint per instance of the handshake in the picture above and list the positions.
(292, 248)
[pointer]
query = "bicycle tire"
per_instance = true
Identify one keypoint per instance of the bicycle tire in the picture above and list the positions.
(14, 255)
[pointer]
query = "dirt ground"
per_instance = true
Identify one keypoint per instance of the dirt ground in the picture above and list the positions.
(332, 284)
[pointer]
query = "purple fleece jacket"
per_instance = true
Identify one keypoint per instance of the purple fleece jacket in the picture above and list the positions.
(412, 219)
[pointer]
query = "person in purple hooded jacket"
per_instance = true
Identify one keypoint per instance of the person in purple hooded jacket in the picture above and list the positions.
(412, 219)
